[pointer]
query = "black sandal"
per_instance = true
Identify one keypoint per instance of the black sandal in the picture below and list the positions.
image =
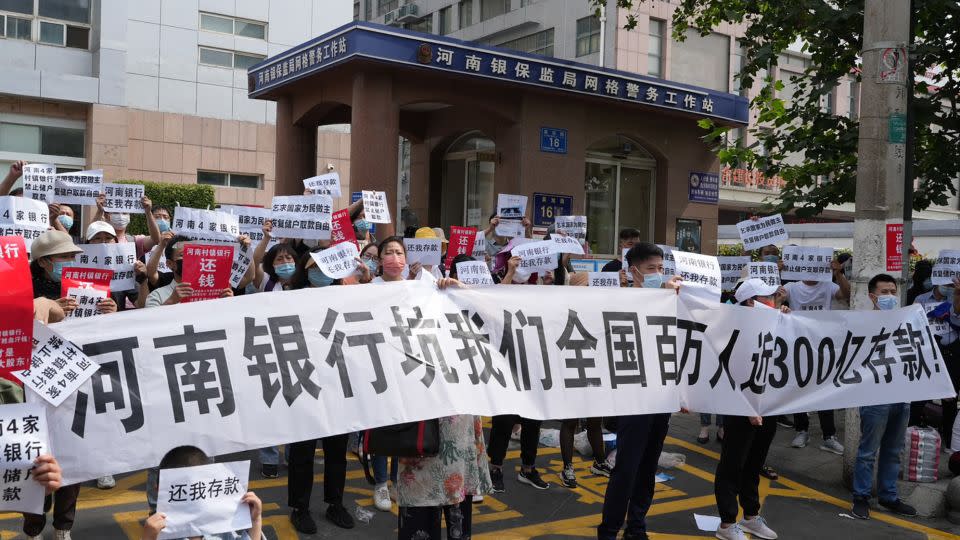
(768, 472)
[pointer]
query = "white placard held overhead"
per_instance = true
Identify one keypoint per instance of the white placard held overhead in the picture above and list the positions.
(669, 264)
(204, 500)
(566, 244)
(731, 270)
(25, 428)
(57, 367)
(575, 226)
(425, 251)
(338, 261)
(511, 228)
(603, 279)
(763, 232)
(375, 207)
(86, 298)
(81, 187)
(768, 272)
(946, 268)
(242, 259)
(123, 198)
(209, 225)
(325, 184)
(20, 216)
(702, 270)
(536, 256)
(117, 257)
(801, 263)
(302, 216)
(510, 210)
(38, 181)
(474, 273)
(251, 220)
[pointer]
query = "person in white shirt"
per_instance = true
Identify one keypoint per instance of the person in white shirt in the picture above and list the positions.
(947, 336)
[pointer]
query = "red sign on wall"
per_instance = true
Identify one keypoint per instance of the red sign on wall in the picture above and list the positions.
(894, 247)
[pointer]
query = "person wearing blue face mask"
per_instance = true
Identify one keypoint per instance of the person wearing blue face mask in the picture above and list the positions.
(882, 430)
(52, 252)
(370, 256)
(770, 254)
(937, 303)
(276, 269)
(62, 217)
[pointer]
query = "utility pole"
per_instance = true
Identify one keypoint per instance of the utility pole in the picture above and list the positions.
(881, 166)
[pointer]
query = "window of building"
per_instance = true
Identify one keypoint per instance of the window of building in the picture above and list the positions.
(228, 59)
(368, 9)
(466, 13)
(445, 21)
(41, 140)
(739, 62)
(525, 3)
(231, 25)
(64, 23)
(540, 43)
(492, 8)
(702, 60)
(215, 178)
(854, 104)
(588, 35)
(655, 46)
(828, 101)
(384, 6)
(356, 10)
(424, 25)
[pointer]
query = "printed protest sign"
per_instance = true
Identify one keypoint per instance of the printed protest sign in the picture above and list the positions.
(802, 263)
(117, 257)
(59, 367)
(479, 245)
(763, 232)
(207, 269)
(701, 270)
(768, 272)
(731, 270)
(338, 261)
(38, 180)
(16, 297)
(302, 216)
(474, 273)
(425, 251)
(85, 277)
(87, 299)
(341, 228)
(566, 244)
(242, 259)
(20, 216)
(325, 184)
(81, 187)
(250, 219)
(573, 226)
(537, 256)
(462, 240)
(204, 500)
(24, 439)
(375, 207)
(946, 268)
(208, 225)
(124, 198)
(669, 263)
(603, 279)
(510, 210)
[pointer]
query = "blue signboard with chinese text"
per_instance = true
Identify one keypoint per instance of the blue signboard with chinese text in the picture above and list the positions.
(547, 206)
(704, 187)
(553, 140)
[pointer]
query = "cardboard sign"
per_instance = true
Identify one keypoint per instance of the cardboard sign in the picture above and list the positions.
(325, 184)
(474, 273)
(204, 500)
(208, 225)
(16, 297)
(207, 269)
(807, 263)
(603, 279)
(731, 270)
(375, 207)
(946, 268)
(20, 216)
(24, 439)
(341, 229)
(763, 232)
(59, 367)
(120, 258)
(38, 180)
(425, 251)
(81, 187)
(338, 261)
(768, 272)
(123, 198)
(302, 216)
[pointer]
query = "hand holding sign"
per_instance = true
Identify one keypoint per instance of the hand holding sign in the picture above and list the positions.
(205, 500)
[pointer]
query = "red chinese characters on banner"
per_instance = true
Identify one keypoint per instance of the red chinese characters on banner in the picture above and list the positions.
(461, 243)
(894, 247)
(16, 306)
(341, 228)
(80, 277)
(207, 269)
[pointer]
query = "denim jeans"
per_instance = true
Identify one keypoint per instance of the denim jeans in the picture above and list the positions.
(882, 429)
(271, 455)
(705, 420)
(380, 469)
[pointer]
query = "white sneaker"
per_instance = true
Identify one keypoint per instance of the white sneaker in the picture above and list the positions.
(381, 498)
(757, 527)
(106, 482)
(800, 440)
(477, 499)
(831, 444)
(61, 535)
(733, 532)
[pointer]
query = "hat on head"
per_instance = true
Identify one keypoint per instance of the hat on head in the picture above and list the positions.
(425, 232)
(99, 227)
(754, 287)
(439, 232)
(53, 242)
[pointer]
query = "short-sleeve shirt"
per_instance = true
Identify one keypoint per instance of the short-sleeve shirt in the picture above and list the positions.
(817, 297)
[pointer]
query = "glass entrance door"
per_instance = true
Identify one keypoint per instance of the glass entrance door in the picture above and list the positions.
(618, 195)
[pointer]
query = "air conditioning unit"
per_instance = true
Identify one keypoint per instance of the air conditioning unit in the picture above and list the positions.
(404, 14)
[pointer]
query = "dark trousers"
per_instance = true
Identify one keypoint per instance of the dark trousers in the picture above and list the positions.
(414, 521)
(64, 503)
(630, 490)
(951, 357)
(300, 471)
(568, 430)
(827, 423)
(500, 431)
(743, 454)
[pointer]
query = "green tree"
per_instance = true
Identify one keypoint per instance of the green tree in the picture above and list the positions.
(826, 144)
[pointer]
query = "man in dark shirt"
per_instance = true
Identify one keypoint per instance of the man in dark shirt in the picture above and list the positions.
(628, 237)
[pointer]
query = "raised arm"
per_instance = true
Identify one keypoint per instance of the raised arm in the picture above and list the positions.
(151, 223)
(14, 174)
(259, 253)
(842, 281)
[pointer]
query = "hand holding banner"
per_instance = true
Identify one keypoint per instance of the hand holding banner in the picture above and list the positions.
(204, 500)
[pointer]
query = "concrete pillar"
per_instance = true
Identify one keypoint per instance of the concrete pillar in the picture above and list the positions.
(880, 169)
(374, 136)
(296, 151)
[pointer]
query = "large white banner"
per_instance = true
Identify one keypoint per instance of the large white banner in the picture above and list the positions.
(235, 374)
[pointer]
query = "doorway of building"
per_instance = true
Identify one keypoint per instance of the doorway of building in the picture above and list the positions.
(469, 167)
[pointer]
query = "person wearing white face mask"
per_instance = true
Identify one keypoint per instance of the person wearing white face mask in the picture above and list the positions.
(882, 429)
(121, 221)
